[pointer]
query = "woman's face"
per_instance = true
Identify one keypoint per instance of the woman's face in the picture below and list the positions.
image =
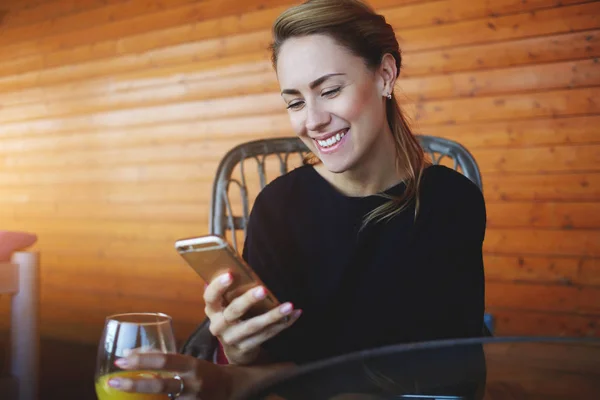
(335, 103)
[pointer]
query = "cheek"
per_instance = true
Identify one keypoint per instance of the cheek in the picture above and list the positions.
(297, 122)
(358, 106)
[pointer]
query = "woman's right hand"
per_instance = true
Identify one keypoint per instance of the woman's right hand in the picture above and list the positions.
(242, 339)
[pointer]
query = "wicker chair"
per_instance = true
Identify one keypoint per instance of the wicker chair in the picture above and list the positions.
(224, 221)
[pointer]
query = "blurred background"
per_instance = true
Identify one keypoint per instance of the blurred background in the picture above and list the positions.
(115, 113)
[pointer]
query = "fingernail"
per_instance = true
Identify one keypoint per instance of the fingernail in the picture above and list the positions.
(225, 279)
(296, 314)
(286, 308)
(114, 382)
(121, 362)
(259, 292)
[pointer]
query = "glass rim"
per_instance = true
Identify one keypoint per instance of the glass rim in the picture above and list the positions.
(164, 318)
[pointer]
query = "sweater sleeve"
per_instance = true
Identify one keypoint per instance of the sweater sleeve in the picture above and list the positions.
(266, 247)
(454, 305)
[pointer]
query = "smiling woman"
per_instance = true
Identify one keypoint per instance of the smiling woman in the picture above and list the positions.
(368, 245)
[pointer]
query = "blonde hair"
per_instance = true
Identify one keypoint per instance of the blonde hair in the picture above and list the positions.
(357, 27)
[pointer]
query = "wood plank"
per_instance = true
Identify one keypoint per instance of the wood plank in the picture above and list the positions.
(518, 133)
(239, 106)
(182, 282)
(173, 213)
(185, 53)
(110, 230)
(174, 40)
(79, 303)
(127, 267)
(166, 192)
(543, 242)
(196, 170)
(237, 64)
(528, 323)
(539, 77)
(159, 19)
(243, 85)
(580, 215)
(50, 10)
(205, 150)
(534, 187)
(567, 158)
(572, 16)
(538, 297)
(9, 278)
(85, 20)
(567, 271)
(511, 53)
(486, 30)
(231, 130)
(410, 15)
(545, 104)
(449, 11)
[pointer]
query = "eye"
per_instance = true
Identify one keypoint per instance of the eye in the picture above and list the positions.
(296, 105)
(331, 93)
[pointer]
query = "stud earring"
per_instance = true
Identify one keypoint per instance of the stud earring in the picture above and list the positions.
(389, 96)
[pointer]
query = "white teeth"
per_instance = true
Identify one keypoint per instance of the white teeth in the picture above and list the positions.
(332, 140)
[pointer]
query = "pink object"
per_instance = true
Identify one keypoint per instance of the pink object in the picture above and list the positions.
(221, 357)
(14, 241)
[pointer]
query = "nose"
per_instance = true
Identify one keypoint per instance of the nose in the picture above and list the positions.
(316, 118)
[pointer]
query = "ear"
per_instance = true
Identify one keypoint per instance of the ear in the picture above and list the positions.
(388, 73)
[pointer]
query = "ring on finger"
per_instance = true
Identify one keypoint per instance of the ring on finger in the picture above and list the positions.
(173, 396)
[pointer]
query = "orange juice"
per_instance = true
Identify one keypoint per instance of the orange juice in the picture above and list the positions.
(106, 392)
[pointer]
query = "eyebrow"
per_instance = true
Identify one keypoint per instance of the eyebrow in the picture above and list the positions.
(313, 84)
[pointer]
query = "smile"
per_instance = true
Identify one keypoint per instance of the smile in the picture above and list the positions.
(332, 140)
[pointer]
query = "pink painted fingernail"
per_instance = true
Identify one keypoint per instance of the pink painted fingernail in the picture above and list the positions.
(259, 292)
(286, 308)
(296, 314)
(121, 362)
(115, 383)
(225, 279)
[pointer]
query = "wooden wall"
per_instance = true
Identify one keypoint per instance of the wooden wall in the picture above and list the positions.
(114, 114)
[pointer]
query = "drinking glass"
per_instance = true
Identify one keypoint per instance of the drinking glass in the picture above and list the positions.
(123, 333)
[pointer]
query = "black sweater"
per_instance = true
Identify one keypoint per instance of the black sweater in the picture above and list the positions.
(391, 282)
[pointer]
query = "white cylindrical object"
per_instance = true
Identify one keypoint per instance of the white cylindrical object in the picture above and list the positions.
(25, 338)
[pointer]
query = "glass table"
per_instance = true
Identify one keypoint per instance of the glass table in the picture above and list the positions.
(485, 368)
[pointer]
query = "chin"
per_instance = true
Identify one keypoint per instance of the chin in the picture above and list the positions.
(335, 166)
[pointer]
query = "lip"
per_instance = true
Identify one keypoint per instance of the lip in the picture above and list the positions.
(336, 146)
(328, 135)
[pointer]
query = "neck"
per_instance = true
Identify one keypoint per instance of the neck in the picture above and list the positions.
(377, 172)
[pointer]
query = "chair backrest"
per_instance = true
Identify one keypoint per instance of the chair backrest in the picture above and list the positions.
(223, 219)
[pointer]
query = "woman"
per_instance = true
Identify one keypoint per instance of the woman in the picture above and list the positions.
(369, 245)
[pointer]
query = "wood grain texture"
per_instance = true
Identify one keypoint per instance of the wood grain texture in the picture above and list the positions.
(114, 115)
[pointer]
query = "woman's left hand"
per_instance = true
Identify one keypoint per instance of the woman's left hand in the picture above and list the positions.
(194, 378)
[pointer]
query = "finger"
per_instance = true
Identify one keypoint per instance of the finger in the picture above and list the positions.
(141, 349)
(269, 332)
(253, 326)
(157, 361)
(240, 305)
(213, 295)
(147, 385)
